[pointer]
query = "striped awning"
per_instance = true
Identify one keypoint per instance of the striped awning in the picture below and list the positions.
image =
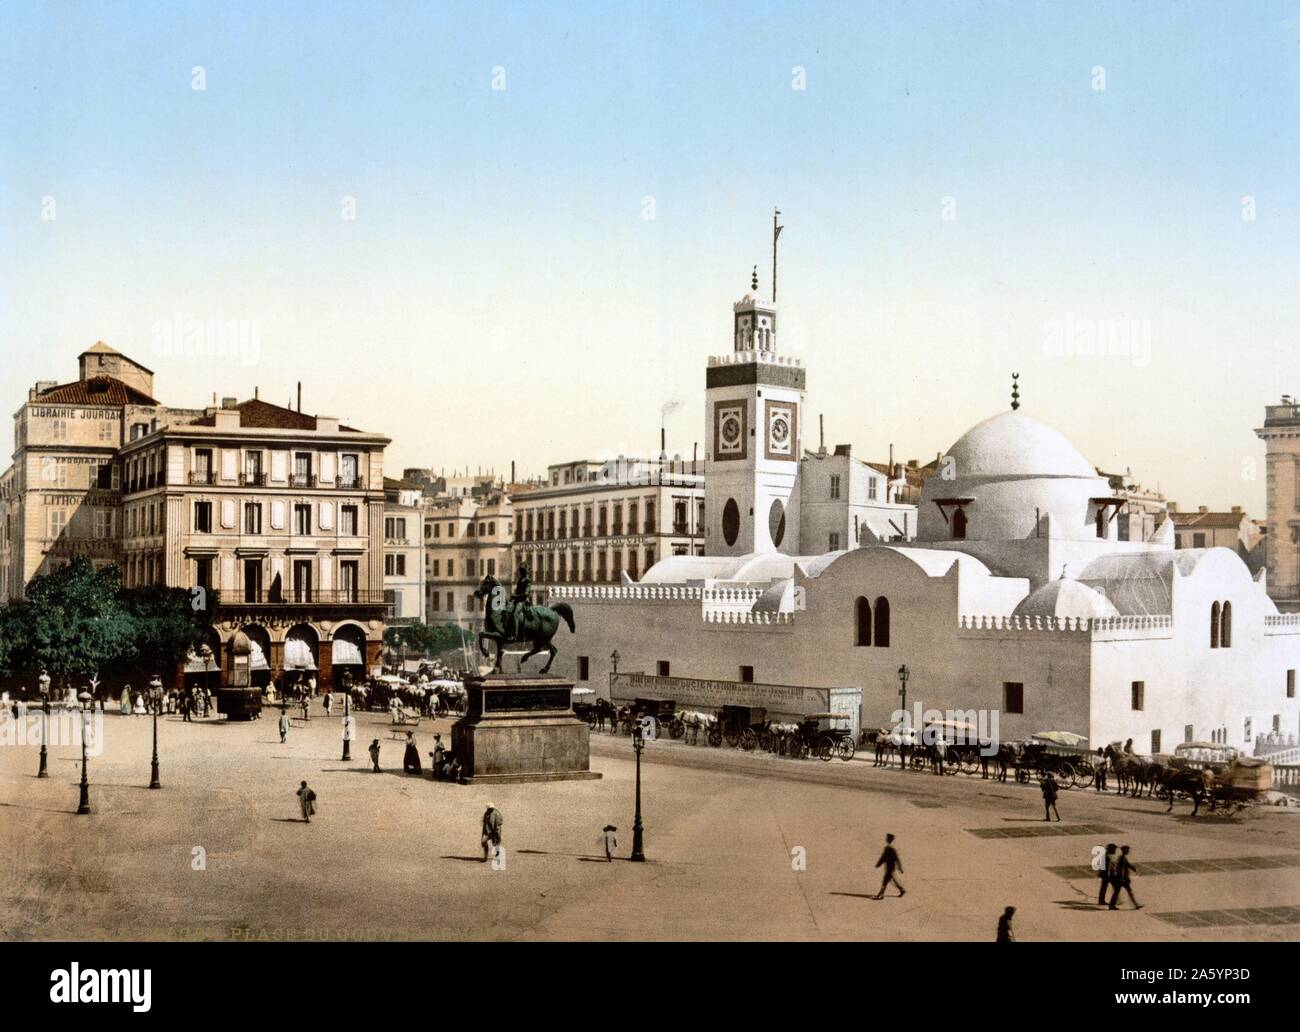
(297, 655)
(346, 653)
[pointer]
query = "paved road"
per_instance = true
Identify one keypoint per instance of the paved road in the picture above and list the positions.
(740, 846)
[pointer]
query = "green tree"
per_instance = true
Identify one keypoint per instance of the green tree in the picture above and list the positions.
(165, 624)
(71, 625)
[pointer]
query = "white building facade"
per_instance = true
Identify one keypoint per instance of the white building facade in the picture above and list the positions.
(1017, 597)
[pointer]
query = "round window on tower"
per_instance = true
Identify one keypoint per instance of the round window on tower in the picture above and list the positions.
(776, 522)
(730, 522)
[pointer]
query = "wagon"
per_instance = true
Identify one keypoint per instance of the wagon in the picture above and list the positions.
(1242, 782)
(1062, 754)
(740, 726)
(824, 735)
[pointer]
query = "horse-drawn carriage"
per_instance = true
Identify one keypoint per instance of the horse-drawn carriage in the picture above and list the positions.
(739, 726)
(661, 710)
(823, 735)
(1218, 775)
(1063, 754)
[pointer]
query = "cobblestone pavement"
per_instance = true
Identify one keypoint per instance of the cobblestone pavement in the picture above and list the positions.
(739, 845)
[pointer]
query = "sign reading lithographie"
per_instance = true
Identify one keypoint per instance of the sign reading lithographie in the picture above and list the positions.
(788, 699)
(525, 700)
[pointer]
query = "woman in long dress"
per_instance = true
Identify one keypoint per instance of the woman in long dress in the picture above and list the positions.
(124, 704)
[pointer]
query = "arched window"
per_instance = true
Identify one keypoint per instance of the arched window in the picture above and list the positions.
(1225, 627)
(1215, 613)
(881, 623)
(958, 525)
(1101, 521)
(863, 621)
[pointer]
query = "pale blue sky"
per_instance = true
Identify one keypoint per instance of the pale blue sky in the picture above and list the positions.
(499, 255)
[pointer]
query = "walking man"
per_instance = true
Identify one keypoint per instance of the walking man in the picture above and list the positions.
(1124, 870)
(284, 725)
(185, 708)
(328, 703)
(1106, 873)
(890, 862)
(491, 837)
(307, 800)
(611, 842)
(374, 755)
(1050, 791)
(1099, 772)
(1004, 925)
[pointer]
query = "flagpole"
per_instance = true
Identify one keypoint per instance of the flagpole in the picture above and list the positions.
(776, 232)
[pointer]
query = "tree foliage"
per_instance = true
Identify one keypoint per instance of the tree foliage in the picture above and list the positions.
(79, 621)
(426, 639)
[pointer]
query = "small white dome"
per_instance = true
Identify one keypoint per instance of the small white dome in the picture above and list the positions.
(1014, 445)
(1066, 598)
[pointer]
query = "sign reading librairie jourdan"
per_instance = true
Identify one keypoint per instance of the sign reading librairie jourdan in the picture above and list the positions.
(783, 699)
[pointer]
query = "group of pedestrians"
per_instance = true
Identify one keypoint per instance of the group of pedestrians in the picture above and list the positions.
(1116, 874)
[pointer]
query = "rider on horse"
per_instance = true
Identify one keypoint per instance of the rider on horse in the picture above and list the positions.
(519, 616)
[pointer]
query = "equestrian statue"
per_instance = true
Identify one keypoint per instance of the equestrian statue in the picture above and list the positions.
(510, 620)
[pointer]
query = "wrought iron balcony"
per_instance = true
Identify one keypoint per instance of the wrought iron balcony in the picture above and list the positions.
(307, 596)
(252, 480)
(202, 476)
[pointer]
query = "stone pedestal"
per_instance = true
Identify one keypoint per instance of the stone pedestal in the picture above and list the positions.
(521, 728)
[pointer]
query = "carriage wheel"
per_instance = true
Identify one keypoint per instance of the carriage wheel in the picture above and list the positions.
(1084, 775)
(715, 737)
(969, 762)
(749, 740)
(917, 761)
(733, 739)
(825, 748)
(676, 729)
(1065, 775)
(845, 749)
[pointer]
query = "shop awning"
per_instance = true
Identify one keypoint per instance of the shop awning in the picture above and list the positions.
(346, 653)
(297, 655)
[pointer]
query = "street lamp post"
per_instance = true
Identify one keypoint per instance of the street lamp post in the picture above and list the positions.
(903, 675)
(155, 697)
(84, 805)
(44, 680)
(638, 844)
(347, 728)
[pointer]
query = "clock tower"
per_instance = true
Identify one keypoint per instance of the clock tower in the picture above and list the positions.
(753, 415)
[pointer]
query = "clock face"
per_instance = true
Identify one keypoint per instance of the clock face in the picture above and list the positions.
(780, 431)
(729, 420)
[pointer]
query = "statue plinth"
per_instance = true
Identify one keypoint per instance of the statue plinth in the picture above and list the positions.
(520, 728)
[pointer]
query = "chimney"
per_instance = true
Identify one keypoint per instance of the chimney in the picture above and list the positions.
(1237, 509)
(891, 457)
(663, 440)
(821, 429)
(299, 395)
(255, 392)
(1202, 508)
(911, 463)
(512, 471)
(229, 403)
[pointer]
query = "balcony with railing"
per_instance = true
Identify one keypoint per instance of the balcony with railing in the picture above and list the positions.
(202, 476)
(252, 480)
(307, 596)
(348, 483)
(303, 480)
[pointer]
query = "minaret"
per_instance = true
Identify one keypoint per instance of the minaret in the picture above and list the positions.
(754, 398)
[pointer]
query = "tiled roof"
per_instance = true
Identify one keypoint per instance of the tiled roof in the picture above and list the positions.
(98, 390)
(1225, 520)
(262, 415)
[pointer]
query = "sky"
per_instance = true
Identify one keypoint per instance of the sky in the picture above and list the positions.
(506, 232)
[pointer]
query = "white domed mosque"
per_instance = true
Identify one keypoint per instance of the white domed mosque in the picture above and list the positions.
(1009, 591)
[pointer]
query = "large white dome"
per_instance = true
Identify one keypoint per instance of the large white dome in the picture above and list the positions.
(1014, 445)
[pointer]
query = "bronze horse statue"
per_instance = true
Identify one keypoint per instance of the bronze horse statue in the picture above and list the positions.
(532, 625)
